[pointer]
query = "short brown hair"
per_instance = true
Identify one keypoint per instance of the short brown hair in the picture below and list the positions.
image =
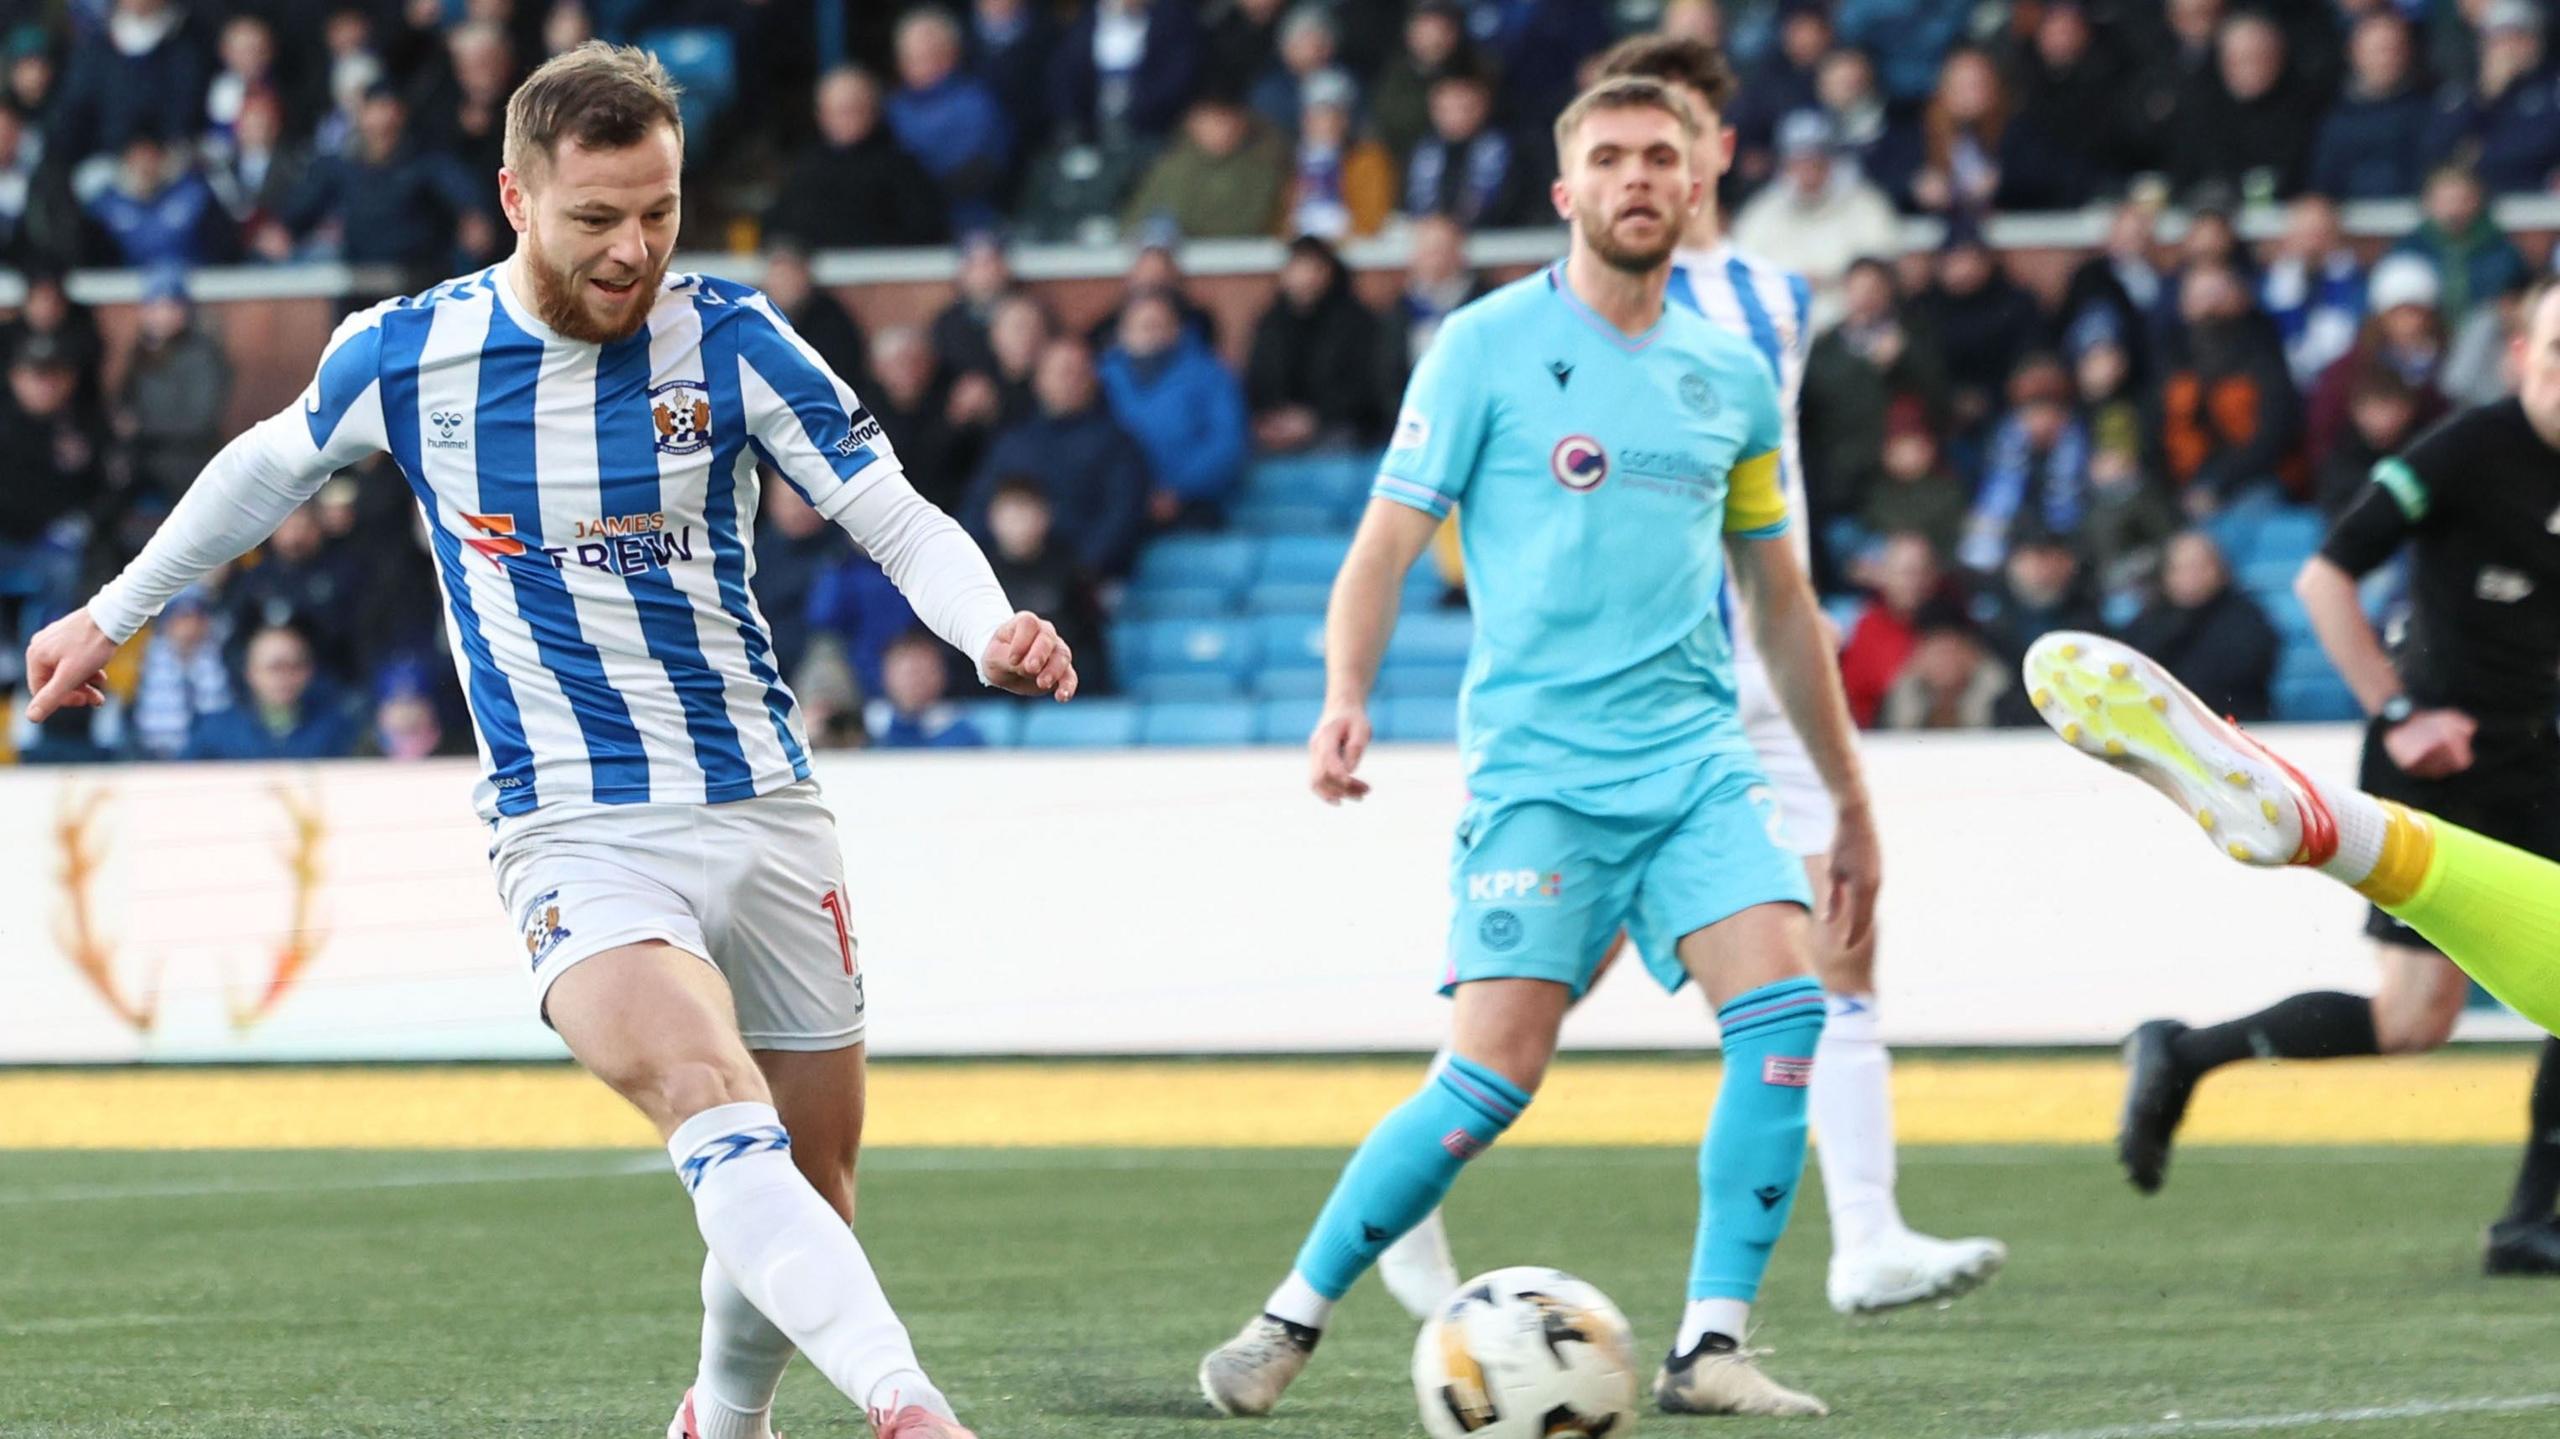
(1626, 92)
(605, 97)
(1678, 59)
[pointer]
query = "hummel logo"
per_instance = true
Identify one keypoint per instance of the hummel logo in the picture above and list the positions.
(1561, 371)
(1769, 1195)
(1373, 1234)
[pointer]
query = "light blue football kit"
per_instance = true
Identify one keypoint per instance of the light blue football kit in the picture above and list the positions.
(1598, 477)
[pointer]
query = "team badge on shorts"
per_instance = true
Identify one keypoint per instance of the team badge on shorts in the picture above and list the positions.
(543, 930)
(681, 412)
(1578, 463)
(1500, 931)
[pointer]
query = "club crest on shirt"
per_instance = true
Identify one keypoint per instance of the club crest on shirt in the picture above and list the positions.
(1697, 394)
(680, 411)
(1578, 463)
(543, 930)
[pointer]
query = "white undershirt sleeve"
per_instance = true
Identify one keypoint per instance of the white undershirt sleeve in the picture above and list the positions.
(932, 561)
(243, 494)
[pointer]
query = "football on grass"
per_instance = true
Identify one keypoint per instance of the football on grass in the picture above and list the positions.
(1526, 1353)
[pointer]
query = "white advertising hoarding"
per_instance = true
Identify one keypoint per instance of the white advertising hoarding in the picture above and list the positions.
(1148, 902)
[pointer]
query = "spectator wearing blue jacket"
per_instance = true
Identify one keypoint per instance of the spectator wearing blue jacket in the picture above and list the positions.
(949, 120)
(2373, 145)
(144, 75)
(1094, 475)
(2508, 122)
(1127, 68)
(159, 214)
(384, 201)
(1909, 38)
(1171, 392)
(911, 712)
(2313, 288)
(291, 713)
(2474, 259)
(2036, 483)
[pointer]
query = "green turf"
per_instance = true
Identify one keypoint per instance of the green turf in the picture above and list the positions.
(1069, 1293)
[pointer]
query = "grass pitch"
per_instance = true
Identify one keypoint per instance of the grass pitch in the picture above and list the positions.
(1070, 1293)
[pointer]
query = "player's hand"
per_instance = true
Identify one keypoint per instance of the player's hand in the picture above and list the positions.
(64, 663)
(1027, 658)
(2432, 743)
(1334, 752)
(1857, 872)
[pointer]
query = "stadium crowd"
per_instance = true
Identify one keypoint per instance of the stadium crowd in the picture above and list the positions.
(1985, 461)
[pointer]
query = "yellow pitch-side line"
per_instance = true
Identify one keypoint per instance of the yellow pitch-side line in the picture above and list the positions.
(2444, 1100)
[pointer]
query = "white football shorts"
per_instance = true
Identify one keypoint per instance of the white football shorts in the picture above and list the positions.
(1807, 823)
(754, 886)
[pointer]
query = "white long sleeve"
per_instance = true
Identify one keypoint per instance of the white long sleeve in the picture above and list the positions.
(932, 561)
(243, 494)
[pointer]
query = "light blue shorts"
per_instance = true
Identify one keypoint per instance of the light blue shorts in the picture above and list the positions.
(1544, 884)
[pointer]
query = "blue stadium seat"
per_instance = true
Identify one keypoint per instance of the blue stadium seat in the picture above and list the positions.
(1255, 515)
(1085, 724)
(1331, 480)
(1302, 559)
(1145, 648)
(2270, 574)
(1292, 642)
(1287, 721)
(1179, 687)
(1208, 562)
(1267, 598)
(703, 60)
(2310, 699)
(1432, 637)
(2290, 534)
(1421, 681)
(1000, 720)
(1198, 723)
(1289, 684)
(1415, 718)
(1174, 602)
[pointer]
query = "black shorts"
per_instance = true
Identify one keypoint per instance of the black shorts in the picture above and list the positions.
(2511, 793)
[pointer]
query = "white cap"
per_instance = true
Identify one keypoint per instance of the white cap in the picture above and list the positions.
(2402, 280)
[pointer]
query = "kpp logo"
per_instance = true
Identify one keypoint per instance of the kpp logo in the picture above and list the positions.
(1496, 886)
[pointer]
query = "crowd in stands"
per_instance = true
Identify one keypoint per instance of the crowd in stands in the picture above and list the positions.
(1985, 461)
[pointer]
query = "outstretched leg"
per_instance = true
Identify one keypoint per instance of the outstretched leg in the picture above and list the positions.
(2492, 908)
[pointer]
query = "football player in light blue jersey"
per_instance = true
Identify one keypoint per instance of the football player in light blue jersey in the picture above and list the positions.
(1610, 453)
(1878, 1262)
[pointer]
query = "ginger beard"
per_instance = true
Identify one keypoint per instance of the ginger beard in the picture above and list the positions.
(582, 302)
(1638, 237)
(595, 231)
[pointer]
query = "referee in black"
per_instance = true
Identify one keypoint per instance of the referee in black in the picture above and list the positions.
(2463, 707)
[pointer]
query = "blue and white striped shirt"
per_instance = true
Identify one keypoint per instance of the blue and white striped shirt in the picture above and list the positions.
(1773, 309)
(589, 508)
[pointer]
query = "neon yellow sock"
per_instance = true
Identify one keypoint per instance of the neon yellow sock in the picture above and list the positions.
(2492, 908)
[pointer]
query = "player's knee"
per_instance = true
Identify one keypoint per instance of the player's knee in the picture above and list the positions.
(671, 1091)
(830, 1172)
(1845, 969)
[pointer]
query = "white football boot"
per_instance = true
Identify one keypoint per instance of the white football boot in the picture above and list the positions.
(1246, 1375)
(1906, 1268)
(1719, 1377)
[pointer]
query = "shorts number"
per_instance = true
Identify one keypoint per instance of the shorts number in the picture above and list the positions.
(833, 904)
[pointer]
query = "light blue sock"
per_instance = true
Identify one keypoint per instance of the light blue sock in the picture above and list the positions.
(1753, 1157)
(1405, 1166)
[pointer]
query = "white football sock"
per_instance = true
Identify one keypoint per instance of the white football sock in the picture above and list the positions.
(1298, 1302)
(1420, 1259)
(743, 1357)
(2361, 827)
(792, 1257)
(1851, 1102)
(1712, 1316)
